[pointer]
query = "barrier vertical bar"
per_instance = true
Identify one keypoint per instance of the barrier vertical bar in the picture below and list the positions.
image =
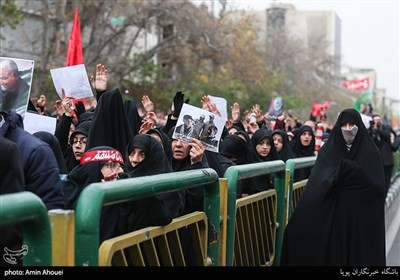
(280, 188)
(63, 232)
(223, 186)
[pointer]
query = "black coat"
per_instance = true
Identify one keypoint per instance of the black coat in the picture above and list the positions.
(41, 173)
(340, 218)
(12, 181)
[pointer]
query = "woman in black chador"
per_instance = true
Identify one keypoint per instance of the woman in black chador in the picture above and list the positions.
(340, 219)
(147, 157)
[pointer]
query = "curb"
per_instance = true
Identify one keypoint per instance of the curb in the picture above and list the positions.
(393, 192)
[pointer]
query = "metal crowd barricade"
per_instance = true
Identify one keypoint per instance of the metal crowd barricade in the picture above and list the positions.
(158, 245)
(255, 229)
(27, 209)
(296, 189)
(235, 173)
(95, 196)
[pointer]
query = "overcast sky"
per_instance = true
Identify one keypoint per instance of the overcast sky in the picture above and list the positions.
(370, 33)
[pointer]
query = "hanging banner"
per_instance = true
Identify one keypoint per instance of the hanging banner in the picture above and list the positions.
(356, 85)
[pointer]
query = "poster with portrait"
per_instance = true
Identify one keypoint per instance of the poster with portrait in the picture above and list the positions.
(276, 108)
(197, 123)
(16, 80)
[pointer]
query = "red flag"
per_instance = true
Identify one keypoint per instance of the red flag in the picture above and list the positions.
(75, 53)
(317, 107)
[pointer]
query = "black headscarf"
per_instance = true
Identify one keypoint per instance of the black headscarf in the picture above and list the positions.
(110, 125)
(260, 135)
(340, 218)
(298, 148)
(234, 147)
(85, 174)
(70, 160)
(286, 152)
(157, 210)
(303, 151)
(192, 198)
(134, 118)
(155, 161)
(263, 182)
(54, 144)
(166, 142)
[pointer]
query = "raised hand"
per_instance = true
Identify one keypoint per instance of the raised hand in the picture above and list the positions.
(99, 83)
(147, 103)
(59, 108)
(196, 151)
(259, 113)
(146, 126)
(67, 104)
(205, 101)
(178, 103)
(235, 112)
(229, 123)
(209, 106)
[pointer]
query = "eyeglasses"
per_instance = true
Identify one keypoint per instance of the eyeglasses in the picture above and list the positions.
(114, 166)
(76, 141)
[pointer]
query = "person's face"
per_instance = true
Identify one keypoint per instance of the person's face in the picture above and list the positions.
(232, 131)
(111, 170)
(8, 81)
(377, 120)
(180, 149)
(211, 133)
(264, 147)
(306, 138)
(278, 142)
(136, 156)
(78, 145)
(187, 122)
(348, 125)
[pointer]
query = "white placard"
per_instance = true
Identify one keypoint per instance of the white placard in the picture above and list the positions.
(35, 122)
(73, 79)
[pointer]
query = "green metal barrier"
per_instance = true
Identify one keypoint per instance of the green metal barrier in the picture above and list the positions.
(95, 196)
(291, 165)
(396, 168)
(28, 210)
(235, 173)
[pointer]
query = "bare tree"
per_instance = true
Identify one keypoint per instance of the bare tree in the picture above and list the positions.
(115, 33)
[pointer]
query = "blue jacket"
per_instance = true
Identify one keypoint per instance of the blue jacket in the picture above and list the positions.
(42, 176)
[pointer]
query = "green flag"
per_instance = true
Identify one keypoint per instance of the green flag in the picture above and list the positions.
(364, 99)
